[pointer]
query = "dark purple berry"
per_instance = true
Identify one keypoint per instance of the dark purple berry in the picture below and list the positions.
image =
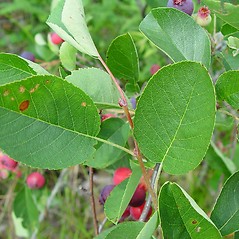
(138, 197)
(28, 55)
(105, 192)
(182, 5)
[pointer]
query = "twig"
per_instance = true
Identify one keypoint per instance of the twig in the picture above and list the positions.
(92, 200)
(102, 224)
(154, 184)
(123, 104)
(55, 190)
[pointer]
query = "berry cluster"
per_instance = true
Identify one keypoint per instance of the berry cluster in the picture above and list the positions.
(137, 202)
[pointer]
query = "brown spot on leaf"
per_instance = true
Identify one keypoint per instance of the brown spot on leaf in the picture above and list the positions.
(6, 92)
(24, 105)
(83, 104)
(34, 88)
(194, 221)
(22, 89)
(47, 81)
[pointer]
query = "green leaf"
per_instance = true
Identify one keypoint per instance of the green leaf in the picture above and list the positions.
(98, 85)
(122, 59)
(175, 115)
(225, 213)
(68, 56)
(19, 229)
(181, 217)
(46, 122)
(114, 130)
(230, 62)
(227, 88)
(126, 230)
(177, 35)
(121, 195)
(67, 19)
(228, 30)
(13, 68)
(25, 208)
(226, 11)
(236, 235)
(149, 227)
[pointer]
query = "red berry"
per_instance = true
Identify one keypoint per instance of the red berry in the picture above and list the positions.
(138, 197)
(107, 116)
(7, 162)
(154, 68)
(125, 214)
(35, 180)
(56, 39)
(136, 212)
(105, 192)
(121, 174)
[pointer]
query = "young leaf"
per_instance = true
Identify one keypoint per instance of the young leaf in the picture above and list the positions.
(68, 56)
(13, 68)
(227, 88)
(149, 227)
(226, 11)
(225, 213)
(25, 208)
(98, 85)
(67, 19)
(175, 116)
(114, 130)
(122, 59)
(177, 35)
(181, 217)
(46, 122)
(121, 195)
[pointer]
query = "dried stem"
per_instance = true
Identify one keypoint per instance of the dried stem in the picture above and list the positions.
(102, 224)
(123, 104)
(92, 200)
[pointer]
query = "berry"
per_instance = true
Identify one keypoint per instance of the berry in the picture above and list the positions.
(55, 39)
(107, 116)
(125, 214)
(154, 68)
(138, 197)
(203, 17)
(35, 180)
(182, 5)
(133, 102)
(7, 162)
(105, 192)
(136, 212)
(121, 174)
(4, 173)
(28, 55)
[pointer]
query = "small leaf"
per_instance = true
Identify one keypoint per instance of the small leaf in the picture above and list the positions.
(25, 208)
(98, 85)
(121, 195)
(114, 130)
(230, 62)
(149, 227)
(181, 217)
(13, 68)
(227, 88)
(47, 122)
(122, 59)
(67, 19)
(175, 115)
(225, 213)
(177, 35)
(68, 56)
(226, 11)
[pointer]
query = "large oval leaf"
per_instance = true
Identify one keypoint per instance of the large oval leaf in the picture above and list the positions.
(47, 122)
(175, 116)
(227, 88)
(225, 214)
(67, 19)
(181, 217)
(177, 35)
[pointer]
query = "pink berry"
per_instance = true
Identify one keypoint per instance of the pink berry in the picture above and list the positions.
(56, 39)
(121, 174)
(182, 5)
(154, 68)
(136, 212)
(203, 17)
(35, 180)
(138, 197)
(8, 162)
(4, 173)
(107, 116)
